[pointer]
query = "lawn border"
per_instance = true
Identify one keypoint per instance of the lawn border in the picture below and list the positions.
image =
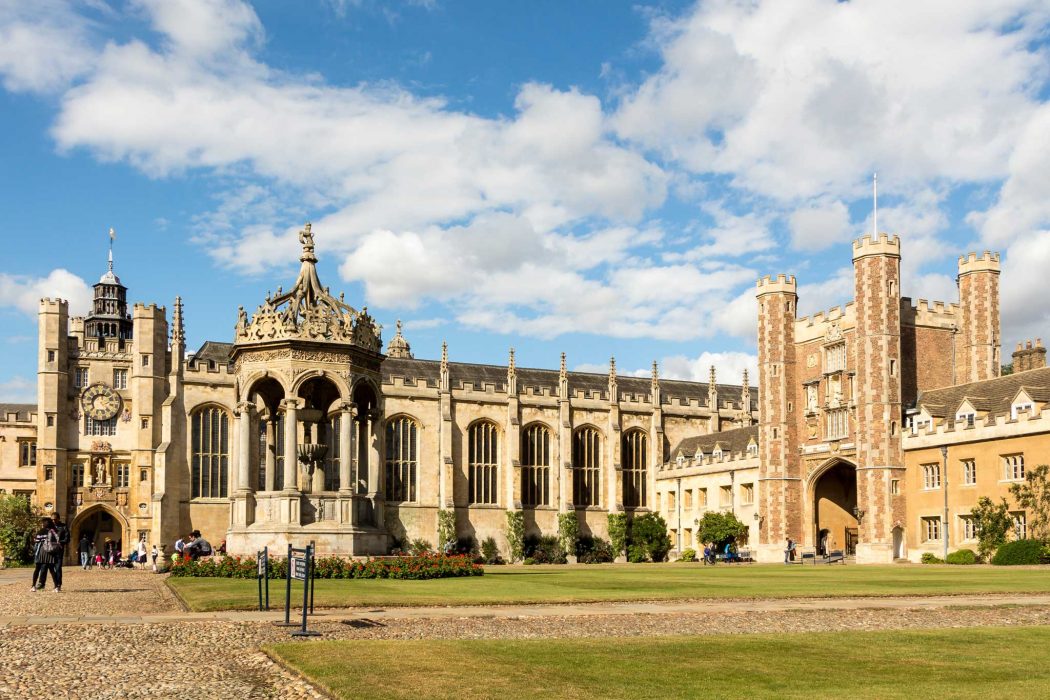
(322, 689)
(182, 601)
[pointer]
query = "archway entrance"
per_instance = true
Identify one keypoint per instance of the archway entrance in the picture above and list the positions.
(99, 525)
(898, 543)
(835, 499)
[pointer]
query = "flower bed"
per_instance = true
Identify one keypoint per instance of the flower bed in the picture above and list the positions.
(425, 566)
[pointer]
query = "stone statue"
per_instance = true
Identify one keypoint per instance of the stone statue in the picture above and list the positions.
(306, 237)
(100, 475)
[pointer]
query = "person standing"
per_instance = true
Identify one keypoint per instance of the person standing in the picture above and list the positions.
(63, 541)
(142, 554)
(84, 549)
(154, 554)
(46, 548)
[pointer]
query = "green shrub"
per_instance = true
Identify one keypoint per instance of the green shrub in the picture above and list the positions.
(688, 555)
(18, 521)
(545, 549)
(516, 534)
(636, 554)
(490, 551)
(618, 533)
(594, 550)
(427, 566)
(931, 558)
(568, 531)
(719, 529)
(1019, 552)
(962, 556)
(446, 528)
(419, 547)
(649, 532)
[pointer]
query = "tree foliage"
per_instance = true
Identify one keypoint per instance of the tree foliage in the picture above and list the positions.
(516, 534)
(568, 531)
(618, 532)
(1034, 496)
(18, 521)
(446, 528)
(648, 539)
(992, 523)
(719, 528)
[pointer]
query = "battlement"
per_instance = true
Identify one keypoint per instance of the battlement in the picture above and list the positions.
(988, 262)
(808, 328)
(153, 311)
(54, 306)
(923, 312)
(885, 244)
(205, 367)
(781, 284)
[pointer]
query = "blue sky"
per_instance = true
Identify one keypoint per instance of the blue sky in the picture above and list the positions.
(591, 177)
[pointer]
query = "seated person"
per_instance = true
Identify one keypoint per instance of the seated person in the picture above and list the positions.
(198, 547)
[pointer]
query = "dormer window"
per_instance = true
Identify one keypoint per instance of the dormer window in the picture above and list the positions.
(967, 417)
(717, 454)
(752, 450)
(680, 460)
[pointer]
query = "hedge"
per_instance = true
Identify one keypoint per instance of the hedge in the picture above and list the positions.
(962, 556)
(1019, 552)
(425, 566)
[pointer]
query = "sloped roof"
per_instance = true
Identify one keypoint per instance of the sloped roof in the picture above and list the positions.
(22, 409)
(992, 395)
(212, 351)
(733, 441)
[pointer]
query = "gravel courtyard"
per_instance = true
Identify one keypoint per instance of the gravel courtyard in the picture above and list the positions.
(102, 648)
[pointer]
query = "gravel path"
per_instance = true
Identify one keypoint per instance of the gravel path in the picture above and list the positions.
(221, 659)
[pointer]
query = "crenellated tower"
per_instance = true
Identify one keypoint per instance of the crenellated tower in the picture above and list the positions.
(979, 328)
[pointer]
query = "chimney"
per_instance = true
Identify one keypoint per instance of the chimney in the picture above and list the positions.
(1029, 356)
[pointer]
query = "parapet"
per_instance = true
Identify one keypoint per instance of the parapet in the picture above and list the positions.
(149, 311)
(54, 306)
(781, 284)
(884, 245)
(989, 262)
(936, 314)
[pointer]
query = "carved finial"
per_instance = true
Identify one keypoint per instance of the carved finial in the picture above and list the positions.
(444, 353)
(280, 289)
(398, 346)
(178, 329)
(612, 369)
(341, 296)
(112, 236)
(711, 376)
(656, 372)
(562, 372)
(744, 384)
(510, 362)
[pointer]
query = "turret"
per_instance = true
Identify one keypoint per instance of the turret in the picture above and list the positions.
(979, 306)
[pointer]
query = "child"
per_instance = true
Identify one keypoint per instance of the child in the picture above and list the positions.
(98, 560)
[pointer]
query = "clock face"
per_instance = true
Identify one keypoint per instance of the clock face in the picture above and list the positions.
(100, 402)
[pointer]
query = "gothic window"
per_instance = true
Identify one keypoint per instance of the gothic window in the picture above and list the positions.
(1020, 519)
(401, 459)
(586, 467)
(483, 464)
(331, 460)
(535, 466)
(27, 453)
(747, 494)
(931, 476)
(1013, 467)
(969, 472)
(931, 529)
(634, 456)
(210, 461)
(100, 427)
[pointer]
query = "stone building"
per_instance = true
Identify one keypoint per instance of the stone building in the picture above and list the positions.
(303, 429)
(18, 449)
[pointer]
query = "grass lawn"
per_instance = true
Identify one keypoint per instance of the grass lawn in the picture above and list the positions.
(957, 663)
(563, 584)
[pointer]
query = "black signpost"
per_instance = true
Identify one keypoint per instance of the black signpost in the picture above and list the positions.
(262, 573)
(288, 592)
(303, 571)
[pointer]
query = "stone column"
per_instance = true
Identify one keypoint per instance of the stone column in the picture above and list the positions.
(244, 445)
(291, 457)
(346, 447)
(271, 452)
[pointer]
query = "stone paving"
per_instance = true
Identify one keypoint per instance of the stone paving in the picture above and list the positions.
(78, 643)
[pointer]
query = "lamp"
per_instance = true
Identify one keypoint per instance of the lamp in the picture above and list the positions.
(858, 513)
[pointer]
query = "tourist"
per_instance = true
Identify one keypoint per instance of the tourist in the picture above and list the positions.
(198, 547)
(222, 548)
(84, 548)
(63, 541)
(98, 559)
(728, 552)
(142, 554)
(46, 549)
(154, 553)
(180, 545)
(709, 557)
(789, 551)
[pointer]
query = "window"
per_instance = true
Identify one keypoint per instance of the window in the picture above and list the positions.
(1020, 524)
(895, 487)
(701, 498)
(726, 496)
(931, 529)
(752, 449)
(76, 474)
(931, 476)
(51, 421)
(967, 418)
(331, 459)
(835, 357)
(535, 466)
(1013, 467)
(120, 379)
(893, 368)
(634, 455)
(687, 499)
(969, 472)
(144, 423)
(687, 537)
(483, 465)
(969, 530)
(50, 355)
(80, 377)
(586, 467)
(811, 398)
(670, 502)
(27, 453)
(835, 424)
(209, 464)
(1020, 408)
(143, 475)
(145, 360)
(402, 446)
(123, 475)
(747, 494)
(100, 427)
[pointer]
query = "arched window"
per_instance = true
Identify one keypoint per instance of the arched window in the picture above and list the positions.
(402, 450)
(210, 442)
(586, 467)
(483, 464)
(634, 455)
(535, 466)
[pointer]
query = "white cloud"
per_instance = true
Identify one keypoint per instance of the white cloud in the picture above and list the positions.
(729, 368)
(203, 29)
(24, 292)
(44, 45)
(1025, 313)
(819, 225)
(18, 390)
